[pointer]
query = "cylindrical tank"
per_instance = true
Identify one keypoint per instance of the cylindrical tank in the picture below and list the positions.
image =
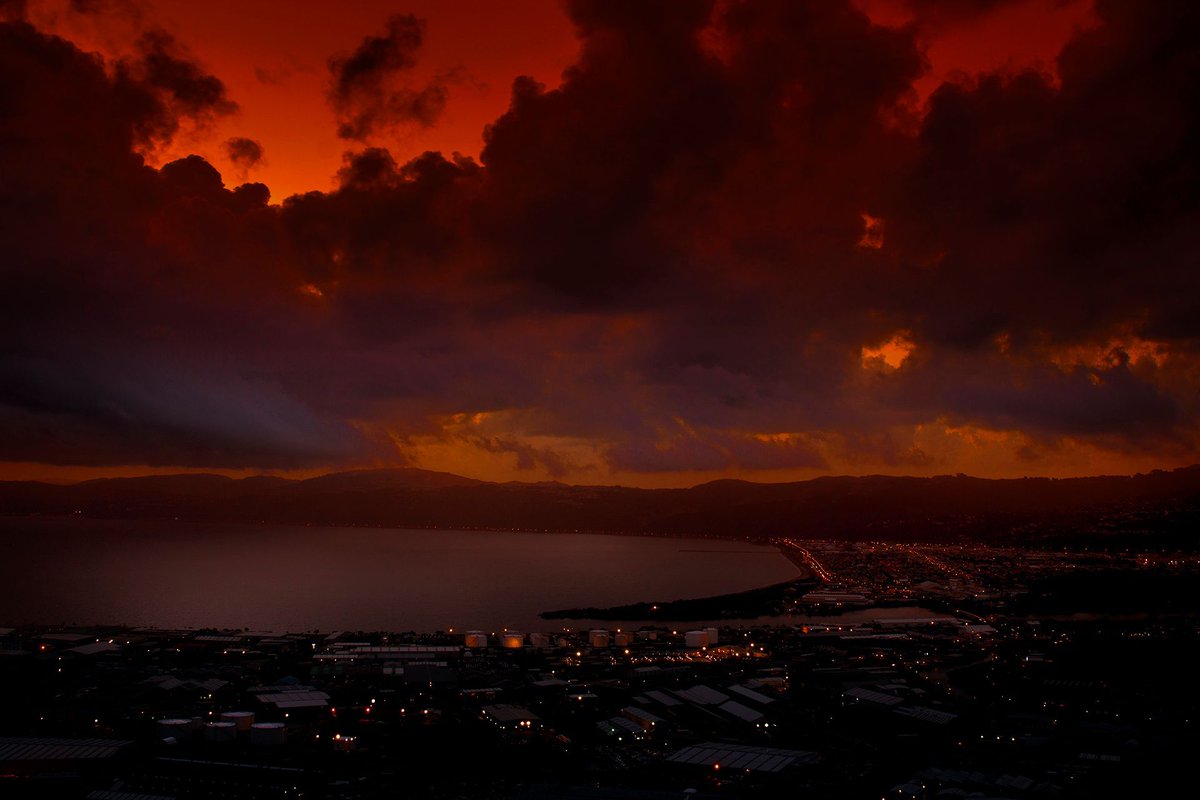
(268, 734)
(623, 639)
(649, 636)
(243, 719)
(220, 732)
(539, 640)
(696, 639)
(563, 641)
(714, 635)
(475, 639)
(179, 729)
(512, 640)
(598, 638)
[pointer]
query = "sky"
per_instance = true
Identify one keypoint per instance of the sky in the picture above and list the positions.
(648, 243)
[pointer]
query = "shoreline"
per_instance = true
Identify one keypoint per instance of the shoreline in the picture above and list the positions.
(771, 600)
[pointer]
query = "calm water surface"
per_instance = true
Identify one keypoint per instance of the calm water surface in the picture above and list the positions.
(294, 578)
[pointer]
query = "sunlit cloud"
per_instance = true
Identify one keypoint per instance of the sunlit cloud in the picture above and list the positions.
(890, 355)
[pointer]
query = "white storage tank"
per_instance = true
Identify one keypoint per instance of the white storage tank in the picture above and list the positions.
(179, 729)
(598, 638)
(649, 636)
(539, 640)
(696, 638)
(268, 734)
(623, 639)
(475, 639)
(242, 719)
(714, 635)
(512, 640)
(220, 732)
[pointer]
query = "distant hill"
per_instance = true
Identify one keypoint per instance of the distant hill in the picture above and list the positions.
(882, 507)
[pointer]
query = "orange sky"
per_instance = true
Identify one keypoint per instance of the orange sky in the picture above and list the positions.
(275, 65)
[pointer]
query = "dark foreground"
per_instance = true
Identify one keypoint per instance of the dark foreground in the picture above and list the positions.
(1047, 675)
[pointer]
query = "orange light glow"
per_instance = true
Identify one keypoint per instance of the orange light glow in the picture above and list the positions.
(889, 355)
(1112, 353)
(872, 236)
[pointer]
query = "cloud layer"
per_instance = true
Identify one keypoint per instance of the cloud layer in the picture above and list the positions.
(730, 242)
(369, 88)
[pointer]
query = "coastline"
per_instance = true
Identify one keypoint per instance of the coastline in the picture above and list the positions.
(765, 601)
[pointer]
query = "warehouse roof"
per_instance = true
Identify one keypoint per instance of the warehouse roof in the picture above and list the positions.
(927, 714)
(744, 713)
(622, 723)
(872, 696)
(43, 749)
(740, 756)
(301, 698)
(663, 697)
(702, 695)
(750, 694)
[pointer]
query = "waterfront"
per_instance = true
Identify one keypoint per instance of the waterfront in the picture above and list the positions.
(298, 578)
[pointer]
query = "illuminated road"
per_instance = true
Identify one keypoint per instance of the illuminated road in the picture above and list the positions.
(809, 559)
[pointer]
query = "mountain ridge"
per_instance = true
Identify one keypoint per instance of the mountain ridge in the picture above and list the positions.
(880, 506)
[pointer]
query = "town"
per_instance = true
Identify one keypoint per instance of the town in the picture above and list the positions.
(913, 671)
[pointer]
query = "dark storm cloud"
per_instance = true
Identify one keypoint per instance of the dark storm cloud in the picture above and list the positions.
(179, 86)
(657, 153)
(662, 261)
(1066, 214)
(368, 89)
(1120, 399)
(527, 456)
(243, 152)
